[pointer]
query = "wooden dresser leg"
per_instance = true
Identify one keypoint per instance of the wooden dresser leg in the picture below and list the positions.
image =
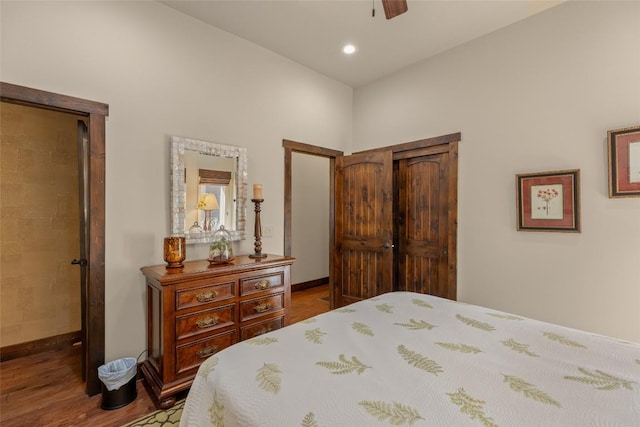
(167, 402)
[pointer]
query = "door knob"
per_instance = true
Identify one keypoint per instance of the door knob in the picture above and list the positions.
(81, 262)
(387, 245)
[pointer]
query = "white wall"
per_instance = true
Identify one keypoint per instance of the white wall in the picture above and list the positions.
(163, 74)
(539, 95)
(309, 217)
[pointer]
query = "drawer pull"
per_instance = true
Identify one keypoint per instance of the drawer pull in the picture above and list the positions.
(206, 352)
(207, 322)
(261, 308)
(263, 284)
(207, 296)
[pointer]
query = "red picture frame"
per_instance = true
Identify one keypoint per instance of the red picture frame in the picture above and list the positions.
(623, 146)
(549, 201)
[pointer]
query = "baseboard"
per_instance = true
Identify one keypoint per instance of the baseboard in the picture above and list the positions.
(38, 346)
(310, 284)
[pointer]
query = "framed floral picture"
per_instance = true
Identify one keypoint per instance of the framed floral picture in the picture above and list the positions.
(624, 162)
(549, 201)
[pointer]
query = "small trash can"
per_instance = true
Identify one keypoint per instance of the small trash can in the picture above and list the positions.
(118, 383)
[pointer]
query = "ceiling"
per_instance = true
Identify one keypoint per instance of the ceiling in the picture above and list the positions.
(312, 32)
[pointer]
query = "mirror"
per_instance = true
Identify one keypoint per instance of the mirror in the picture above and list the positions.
(208, 189)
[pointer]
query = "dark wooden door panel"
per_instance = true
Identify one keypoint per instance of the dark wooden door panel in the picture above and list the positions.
(423, 224)
(363, 257)
(363, 275)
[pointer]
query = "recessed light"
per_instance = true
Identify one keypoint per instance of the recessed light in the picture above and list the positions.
(349, 49)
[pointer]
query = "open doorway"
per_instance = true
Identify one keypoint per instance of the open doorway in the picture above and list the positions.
(93, 114)
(309, 213)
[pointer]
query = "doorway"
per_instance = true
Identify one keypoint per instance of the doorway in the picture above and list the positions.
(324, 160)
(92, 299)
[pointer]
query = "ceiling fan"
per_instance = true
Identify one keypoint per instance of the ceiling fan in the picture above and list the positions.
(393, 8)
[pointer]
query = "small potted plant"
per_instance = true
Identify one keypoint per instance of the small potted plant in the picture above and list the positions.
(221, 250)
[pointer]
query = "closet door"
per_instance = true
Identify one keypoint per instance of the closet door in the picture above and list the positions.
(423, 227)
(363, 258)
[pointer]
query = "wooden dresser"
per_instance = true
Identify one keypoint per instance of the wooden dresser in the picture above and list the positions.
(200, 309)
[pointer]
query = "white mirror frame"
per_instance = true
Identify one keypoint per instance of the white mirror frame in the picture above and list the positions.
(178, 190)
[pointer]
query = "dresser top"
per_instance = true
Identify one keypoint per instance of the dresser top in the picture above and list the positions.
(195, 269)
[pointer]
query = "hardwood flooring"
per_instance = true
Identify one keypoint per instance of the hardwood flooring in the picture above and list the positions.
(46, 389)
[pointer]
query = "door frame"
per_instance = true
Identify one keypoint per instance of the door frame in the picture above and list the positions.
(96, 113)
(291, 147)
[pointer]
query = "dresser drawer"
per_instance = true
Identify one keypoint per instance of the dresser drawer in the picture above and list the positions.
(256, 329)
(252, 285)
(206, 293)
(190, 356)
(261, 306)
(205, 321)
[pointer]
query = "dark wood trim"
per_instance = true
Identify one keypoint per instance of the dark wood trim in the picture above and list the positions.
(95, 339)
(453, 222)
(298, 147)
(39, 346)
(301, 147)
(309, 284)
(38, 98)
(421, 143)
(288, 154)
(96, 112)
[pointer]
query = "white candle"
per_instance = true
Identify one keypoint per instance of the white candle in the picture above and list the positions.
(257, 191)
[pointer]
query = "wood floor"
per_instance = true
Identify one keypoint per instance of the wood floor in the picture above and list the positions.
(45, 389)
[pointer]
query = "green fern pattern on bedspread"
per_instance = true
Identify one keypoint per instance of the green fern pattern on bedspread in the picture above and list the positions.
(344, 310)
(262, 340)
(601, 380)
(416, 325)
(529, 390)
(563, 340)
(519, 347)
(362, 329)
(419, 361)
(472, 407)
(344, 365)
(208, 366)
(309, 420)
(421, 303)
(216, 412)
(314, 335)
(475, 323)
(395, 413)
(385, 308)
(463, 348)
(268, 378)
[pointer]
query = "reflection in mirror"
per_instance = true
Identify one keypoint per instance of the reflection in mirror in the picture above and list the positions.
(208, 189)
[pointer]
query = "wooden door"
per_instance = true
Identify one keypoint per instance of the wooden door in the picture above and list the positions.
(363, 258)
(83, 198)
(424, 224)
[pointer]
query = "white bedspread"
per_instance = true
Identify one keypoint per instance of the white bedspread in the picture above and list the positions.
(412, 359)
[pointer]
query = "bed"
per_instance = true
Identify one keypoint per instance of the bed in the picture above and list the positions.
(404, 358)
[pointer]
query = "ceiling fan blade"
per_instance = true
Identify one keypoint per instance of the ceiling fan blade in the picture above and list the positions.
(393, 8)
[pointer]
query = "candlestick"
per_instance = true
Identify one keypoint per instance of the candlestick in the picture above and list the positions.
(257, 191)
(257, 230)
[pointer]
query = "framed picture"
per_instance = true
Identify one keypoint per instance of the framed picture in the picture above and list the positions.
(624, 162)
(549, 201)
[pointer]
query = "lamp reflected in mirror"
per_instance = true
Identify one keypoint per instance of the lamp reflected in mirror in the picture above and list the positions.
(208, 203)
